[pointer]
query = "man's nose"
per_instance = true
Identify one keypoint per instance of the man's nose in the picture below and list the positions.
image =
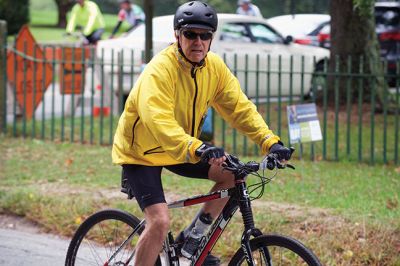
(197, 39)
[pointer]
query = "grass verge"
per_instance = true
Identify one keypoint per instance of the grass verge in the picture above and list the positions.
(347, 213)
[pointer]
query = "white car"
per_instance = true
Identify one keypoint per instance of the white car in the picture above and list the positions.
(308, 29)
(265, 63)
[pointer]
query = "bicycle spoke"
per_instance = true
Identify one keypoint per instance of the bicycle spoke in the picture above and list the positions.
(102, 244)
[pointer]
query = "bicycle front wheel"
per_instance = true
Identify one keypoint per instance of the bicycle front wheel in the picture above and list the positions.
(282, 249)
(103, 236)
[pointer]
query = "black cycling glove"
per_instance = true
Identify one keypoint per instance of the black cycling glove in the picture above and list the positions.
(206, 152)
(282, 152)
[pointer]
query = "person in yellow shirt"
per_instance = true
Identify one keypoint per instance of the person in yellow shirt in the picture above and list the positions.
(87, 16)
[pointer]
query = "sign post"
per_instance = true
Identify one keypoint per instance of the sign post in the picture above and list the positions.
(25, 69)
(3, 87)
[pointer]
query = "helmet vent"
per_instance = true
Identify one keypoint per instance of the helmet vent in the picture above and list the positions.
(196, 13)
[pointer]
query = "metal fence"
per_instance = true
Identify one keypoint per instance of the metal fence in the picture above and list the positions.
(76, 94)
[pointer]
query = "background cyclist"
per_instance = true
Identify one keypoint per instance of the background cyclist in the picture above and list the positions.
(131, 13)
(161, 123)
(86, 16)
(245, 7)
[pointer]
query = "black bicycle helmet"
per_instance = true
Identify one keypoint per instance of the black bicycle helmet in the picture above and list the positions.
(196, 14)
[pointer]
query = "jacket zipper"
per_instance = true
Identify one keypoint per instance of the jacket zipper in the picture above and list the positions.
(133, 130)
(193, 74)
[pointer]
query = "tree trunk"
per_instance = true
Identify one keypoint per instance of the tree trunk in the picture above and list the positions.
(354, 49)
(63, 6)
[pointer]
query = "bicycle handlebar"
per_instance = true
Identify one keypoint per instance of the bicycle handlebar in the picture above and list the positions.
(270, 162)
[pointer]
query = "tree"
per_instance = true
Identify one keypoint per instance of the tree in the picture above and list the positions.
(354, 45)
(16, 13)
(63, 6)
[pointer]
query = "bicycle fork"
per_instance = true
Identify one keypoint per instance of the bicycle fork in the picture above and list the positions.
(250, 229)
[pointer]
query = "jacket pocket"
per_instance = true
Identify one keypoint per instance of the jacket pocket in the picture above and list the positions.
(133, 130)
(154, 150)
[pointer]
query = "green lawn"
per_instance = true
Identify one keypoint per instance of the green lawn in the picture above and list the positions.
(59, 184)
(43, 18)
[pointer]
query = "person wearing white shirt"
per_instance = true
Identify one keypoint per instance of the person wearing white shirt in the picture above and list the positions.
(245, 7)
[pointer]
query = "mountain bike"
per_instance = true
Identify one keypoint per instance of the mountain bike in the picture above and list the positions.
(108, 237)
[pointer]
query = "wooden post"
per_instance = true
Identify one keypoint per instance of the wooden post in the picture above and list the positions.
(3, 71)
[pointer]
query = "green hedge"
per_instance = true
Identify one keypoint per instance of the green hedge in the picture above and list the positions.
(15, 12)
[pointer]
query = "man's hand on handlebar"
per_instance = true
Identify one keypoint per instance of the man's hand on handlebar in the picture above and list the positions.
(282, 153)
(210, 154)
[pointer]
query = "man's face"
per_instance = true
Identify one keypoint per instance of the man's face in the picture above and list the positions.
(125, 5)
(80, 2)
(195, 48)
(245, 6)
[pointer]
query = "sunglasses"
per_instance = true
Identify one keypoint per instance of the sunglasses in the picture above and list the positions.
(191, 35)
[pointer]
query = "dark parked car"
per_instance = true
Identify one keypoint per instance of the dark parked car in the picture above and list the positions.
(387, 17)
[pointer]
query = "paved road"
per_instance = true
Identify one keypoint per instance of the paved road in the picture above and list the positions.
(22, 244)
(19, 248)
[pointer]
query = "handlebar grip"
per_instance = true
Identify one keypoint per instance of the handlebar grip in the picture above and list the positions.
(271, 164)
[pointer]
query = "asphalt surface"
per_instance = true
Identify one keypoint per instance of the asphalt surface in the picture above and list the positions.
(26, 248)
(22, 243)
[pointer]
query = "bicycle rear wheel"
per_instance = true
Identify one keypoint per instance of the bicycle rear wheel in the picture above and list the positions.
(282, 249)
(99, 237)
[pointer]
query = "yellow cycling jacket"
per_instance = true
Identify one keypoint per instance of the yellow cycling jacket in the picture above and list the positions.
(89, 17)
(165, 110)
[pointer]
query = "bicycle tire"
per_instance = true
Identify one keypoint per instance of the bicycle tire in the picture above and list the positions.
(98, 246)
(290, 252)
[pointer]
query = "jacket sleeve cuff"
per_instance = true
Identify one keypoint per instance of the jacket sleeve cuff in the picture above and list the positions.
(194, 144)
(267, 143)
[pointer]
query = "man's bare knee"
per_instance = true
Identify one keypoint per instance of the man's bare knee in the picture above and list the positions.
(221, 177)
(157, 221)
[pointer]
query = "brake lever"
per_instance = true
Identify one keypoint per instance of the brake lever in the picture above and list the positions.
(280, 165)
(290, 166)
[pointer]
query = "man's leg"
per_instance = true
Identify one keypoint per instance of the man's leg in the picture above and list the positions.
(145, 183)
(223, 180)
(151, 240)
(95, 36)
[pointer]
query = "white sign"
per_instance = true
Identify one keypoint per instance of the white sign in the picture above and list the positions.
(303, 123)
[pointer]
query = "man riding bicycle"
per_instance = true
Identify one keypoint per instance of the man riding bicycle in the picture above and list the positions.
(162, 120)
(86, 16)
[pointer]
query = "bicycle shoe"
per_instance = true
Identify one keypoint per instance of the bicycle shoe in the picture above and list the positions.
(210, 260)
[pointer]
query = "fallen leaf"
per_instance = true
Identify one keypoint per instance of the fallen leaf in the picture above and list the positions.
(68, 162)
(78, 220)
(348, 254)
(392, 204)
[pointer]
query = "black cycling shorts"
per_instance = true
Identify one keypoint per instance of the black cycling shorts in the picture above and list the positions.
(145, 181)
